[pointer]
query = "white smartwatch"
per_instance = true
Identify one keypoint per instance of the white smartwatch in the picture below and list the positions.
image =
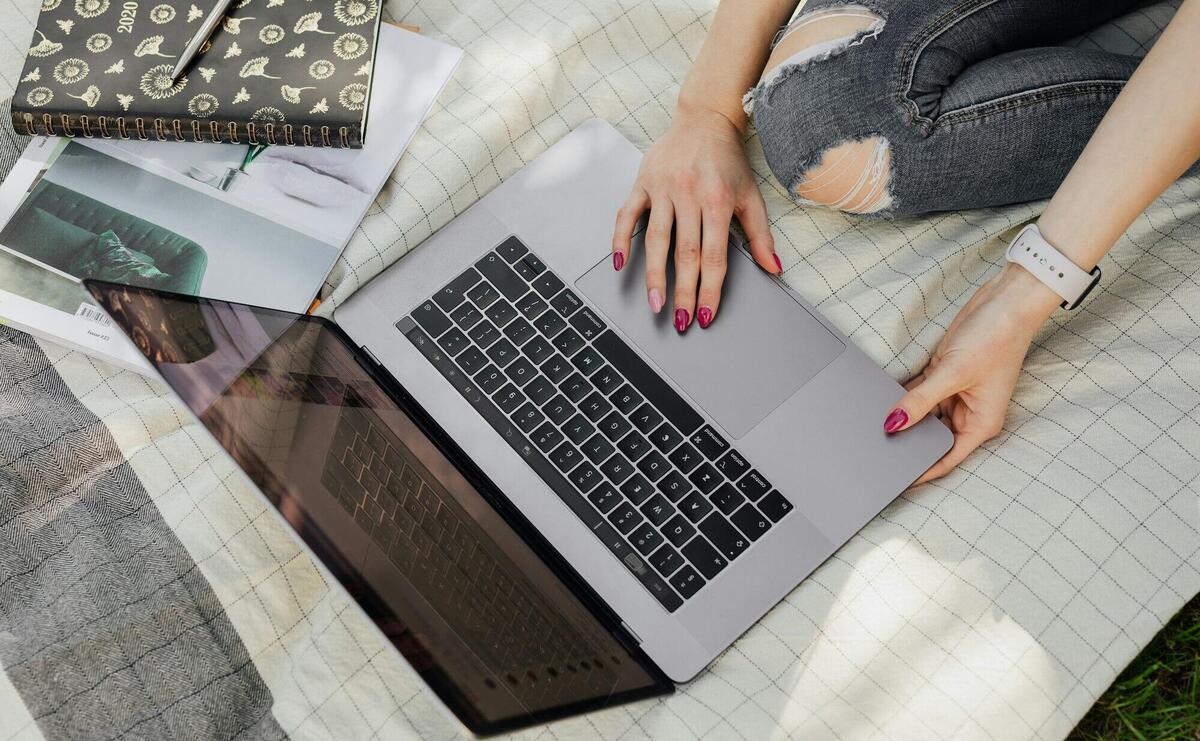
(1031, 251)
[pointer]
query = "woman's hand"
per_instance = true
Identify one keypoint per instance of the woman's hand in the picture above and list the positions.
(971, 376)
(695, 179)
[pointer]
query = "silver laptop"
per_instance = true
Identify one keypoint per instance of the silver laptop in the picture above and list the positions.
(548, 499)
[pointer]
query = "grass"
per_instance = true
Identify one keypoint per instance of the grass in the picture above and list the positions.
(1157, 697)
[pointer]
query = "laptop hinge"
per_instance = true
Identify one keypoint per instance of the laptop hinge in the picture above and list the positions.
(367, 351)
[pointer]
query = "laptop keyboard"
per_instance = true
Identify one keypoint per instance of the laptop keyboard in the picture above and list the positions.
(662, 490)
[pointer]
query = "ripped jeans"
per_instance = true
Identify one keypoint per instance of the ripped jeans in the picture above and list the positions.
(897, 107)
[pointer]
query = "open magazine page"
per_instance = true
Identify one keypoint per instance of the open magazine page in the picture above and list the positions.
(248, 224)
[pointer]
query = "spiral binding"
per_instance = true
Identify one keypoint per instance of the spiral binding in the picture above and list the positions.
(181, 130)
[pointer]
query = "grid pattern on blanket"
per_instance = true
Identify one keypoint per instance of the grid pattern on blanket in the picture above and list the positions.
(996, 603)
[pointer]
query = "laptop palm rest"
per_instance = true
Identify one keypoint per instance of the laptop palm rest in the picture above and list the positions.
(762, 347)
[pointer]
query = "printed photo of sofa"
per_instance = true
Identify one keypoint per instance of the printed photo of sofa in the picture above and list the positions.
(83, 237)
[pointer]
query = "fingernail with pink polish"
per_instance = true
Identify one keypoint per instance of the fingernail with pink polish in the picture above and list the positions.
(895, 420)
(704, 316)
(618, 260)
(655, 298)
(681, 320)
(778, 265)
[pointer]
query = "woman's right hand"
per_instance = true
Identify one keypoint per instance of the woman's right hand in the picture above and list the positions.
(695, 178)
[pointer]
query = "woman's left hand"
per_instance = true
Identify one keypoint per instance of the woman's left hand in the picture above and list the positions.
(970, 378)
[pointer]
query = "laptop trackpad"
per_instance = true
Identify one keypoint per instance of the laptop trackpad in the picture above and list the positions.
(762, 347)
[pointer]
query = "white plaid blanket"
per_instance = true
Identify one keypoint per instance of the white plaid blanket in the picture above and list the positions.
(145, 592)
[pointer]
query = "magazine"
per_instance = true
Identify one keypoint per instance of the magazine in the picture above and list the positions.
(250, 224)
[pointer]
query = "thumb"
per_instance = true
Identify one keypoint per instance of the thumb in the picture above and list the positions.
(936, 386)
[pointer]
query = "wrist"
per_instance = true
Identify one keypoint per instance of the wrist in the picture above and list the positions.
(1030, 302)
(706, 114)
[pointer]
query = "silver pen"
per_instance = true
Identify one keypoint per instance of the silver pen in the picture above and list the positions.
(207, 26)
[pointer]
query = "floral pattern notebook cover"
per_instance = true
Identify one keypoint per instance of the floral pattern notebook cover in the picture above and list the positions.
(275, 71)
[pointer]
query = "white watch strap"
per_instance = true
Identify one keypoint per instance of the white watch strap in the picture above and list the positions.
(1031, 251)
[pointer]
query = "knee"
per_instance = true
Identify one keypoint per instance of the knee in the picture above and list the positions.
(853, 176)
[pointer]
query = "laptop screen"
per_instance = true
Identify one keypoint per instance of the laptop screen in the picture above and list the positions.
(470, 597)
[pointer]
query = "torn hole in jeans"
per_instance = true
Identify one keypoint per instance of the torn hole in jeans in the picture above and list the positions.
(854, 176)
(830, 30)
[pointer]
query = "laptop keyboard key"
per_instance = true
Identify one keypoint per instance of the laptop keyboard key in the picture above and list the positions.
(678, 530)
(726, 498)
(539, 390)
(595, 406)
(675, 486)
(556, 368)
(453, 341)
(657, 510)
(645, 539)
(606, 379)
(534, 263)
(646, 419)
(501, 313)
(502, 353)
(626, 399)
(452, 295)
(634, 446)
(711, 444)
(750, 521)
(528, 418)
(531, 306)
(490, 379)
(578, 429)
(549, 323)
(512, 249)
(614, 426)
(588, 361)
(558, 409)
(483, 295)
(546, 437)
(484, 334)
(566, 457)
(637, 489)
(576, 388)
(625, 518)
(637, 566)
(597, 449)
(665, 438)
(585, 477)
(687, 582)
(604, 497)
(685, 457)
(666, 560)
(466, 315)
(706, 478)
(775, 505)
(704, 557)
(753, 485)
(587, 324)
(538, 350)
(502, 277)
(654, 466)
(521, 371)
(519, 331)
(431, 318)
(729, 542)
(695, 507)
(733, 465)
(471, 360)
(508, 398)
(568, 342)
(525, 269)
(547, 284)
(617, 469)
(566, 303)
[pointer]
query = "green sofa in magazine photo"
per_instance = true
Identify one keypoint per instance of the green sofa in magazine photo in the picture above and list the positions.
(86, 238)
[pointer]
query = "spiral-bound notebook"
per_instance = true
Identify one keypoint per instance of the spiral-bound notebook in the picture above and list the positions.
(276, 71)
